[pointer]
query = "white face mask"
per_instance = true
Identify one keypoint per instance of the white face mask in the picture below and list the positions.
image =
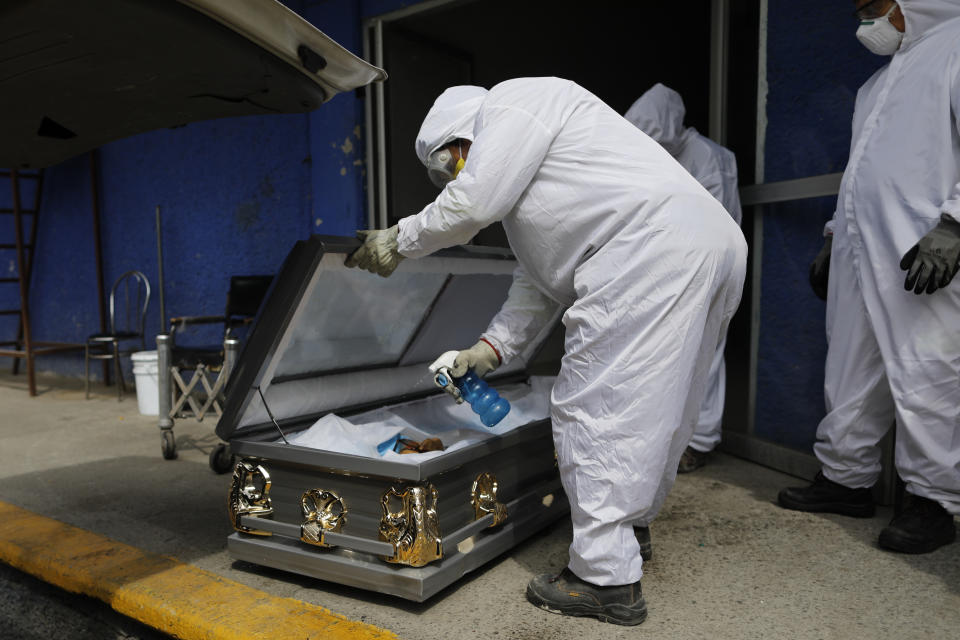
(879, 36)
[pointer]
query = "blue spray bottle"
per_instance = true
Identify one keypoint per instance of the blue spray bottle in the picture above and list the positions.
(483, 399)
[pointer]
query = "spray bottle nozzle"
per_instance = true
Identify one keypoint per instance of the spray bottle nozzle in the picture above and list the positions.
(443, 378)
(486, 402)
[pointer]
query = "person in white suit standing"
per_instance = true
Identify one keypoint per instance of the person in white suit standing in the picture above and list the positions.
(894, 343)
(659, 113)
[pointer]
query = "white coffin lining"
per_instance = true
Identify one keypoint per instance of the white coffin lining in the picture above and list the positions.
(457, 426)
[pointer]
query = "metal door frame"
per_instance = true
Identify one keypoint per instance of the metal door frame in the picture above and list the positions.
(747, 444)
(375, 114)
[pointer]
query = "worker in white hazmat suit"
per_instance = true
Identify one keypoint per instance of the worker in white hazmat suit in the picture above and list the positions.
(647, 264)
(894, 343)
(659, 113)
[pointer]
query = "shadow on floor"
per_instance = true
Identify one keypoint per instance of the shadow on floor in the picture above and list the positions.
(170, 507)
(764, 484)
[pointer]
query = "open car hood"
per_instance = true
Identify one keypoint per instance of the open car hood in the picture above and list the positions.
(77, 74)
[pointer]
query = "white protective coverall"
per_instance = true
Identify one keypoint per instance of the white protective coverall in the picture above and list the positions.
(893, 353)
(649, 266)
(659, 113)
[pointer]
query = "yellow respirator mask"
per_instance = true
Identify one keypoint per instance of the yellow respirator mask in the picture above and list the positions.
(442, 168)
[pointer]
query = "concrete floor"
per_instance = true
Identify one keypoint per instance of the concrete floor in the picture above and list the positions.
(727, 563)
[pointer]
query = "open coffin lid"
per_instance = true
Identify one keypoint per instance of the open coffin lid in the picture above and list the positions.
(77, 74)
(333, 339)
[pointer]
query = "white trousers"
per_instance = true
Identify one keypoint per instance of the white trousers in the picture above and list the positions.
(706, 435)
(652, 305)
(869, 385)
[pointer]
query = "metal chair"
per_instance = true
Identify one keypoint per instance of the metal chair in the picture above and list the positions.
(129, 298)
(202, 393)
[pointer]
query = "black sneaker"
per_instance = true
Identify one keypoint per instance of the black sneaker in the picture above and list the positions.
(691, 460)
(568, 595)
(826, 496)
(921, 527)
(643, 538)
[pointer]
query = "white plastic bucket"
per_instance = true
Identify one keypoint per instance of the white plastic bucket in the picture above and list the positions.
(148, 387)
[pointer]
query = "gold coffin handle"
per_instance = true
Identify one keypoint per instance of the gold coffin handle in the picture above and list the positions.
(249, 495)
(323, 511)
(483, 497)
(414, 530)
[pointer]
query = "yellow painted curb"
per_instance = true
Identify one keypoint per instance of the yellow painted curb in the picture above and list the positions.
(161, 592)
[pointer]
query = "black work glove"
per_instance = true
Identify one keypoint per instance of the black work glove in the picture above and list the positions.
(933, 261)
(820, 269)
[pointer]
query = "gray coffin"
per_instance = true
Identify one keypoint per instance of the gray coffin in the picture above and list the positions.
(332, 339)
(75, 74)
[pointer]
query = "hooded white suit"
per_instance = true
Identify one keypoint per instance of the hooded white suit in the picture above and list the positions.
(659, 113)
(892, 353)
(604, 222)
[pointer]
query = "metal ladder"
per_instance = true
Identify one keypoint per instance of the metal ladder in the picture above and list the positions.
(24, 347)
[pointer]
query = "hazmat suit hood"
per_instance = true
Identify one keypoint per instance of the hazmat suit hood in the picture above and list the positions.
(922, 16)
(659, 113)
(451, 116)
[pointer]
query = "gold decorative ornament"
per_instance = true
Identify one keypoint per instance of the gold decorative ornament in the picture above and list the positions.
(483, 497)
(323, 512)
(414, 530)
(249, 495)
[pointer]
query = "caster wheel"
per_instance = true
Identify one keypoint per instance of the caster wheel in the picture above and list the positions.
(169, 445)
(221, 459)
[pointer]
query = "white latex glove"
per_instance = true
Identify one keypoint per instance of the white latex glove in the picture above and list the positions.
(481, 357)
(379, 253)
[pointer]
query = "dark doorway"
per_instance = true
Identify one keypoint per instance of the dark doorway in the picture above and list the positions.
(616, 50)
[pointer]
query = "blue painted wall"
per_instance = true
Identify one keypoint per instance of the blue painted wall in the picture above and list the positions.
(814, 67)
